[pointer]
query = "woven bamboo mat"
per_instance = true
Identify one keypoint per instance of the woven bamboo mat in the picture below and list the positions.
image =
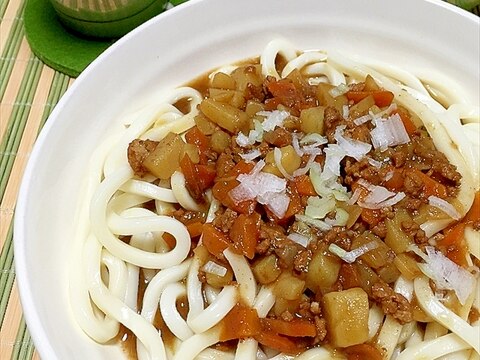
(29, 91)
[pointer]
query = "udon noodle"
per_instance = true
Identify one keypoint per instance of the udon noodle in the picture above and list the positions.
(301, 204)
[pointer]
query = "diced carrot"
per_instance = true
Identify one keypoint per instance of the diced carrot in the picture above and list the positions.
(371, 216)
(294, 328)
(223, 186)
(362, 352)
(304, 185)
(410, 127)
(241, 167)
(382, 97)
(244, 233)
(241, 322)
(474, 213)
(278, 342)
(458, 253)
(195, 137)
(195, 229)
(282, 88)
(431, 186)
(198, 177)
(206, 175)
(221, 191)
(395, 182)
(453, 234)
(272, 104)
(294, 207)
(453, 242)
(214, 240)
(191, 179)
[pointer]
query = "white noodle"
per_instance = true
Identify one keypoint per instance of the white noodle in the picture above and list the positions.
(168, 307)
(113, 206)
(243, 274)
(214, 312)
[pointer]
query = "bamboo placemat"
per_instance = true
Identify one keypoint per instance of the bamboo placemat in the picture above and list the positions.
(29, 91)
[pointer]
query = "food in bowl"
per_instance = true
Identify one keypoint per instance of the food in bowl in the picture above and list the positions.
(296, 204)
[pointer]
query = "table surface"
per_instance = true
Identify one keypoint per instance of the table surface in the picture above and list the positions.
(29, 90)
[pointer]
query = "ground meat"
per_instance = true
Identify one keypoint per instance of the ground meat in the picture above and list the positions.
(301, 261)
(362, 169)
(137, 151)
(254, 92)
(424, 149)
(286, 250)
(446, 170)
(399, 158)
(287, 316)
(413, 184)
(224, 164)
(412, 229)
(332, 119)
(278, 137)
(476, 225)
(321, 325)
(224, 221)
(315, 308)
(380, 229)
(269, 234)
(360, 133)
(411, 204)
(338, 236)
(392, 303)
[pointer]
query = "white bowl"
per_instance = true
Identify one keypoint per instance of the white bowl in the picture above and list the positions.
(166, 52)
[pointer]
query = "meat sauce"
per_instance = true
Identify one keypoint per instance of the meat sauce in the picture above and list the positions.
(309, 272)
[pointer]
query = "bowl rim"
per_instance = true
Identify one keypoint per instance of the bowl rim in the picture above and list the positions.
(30, 310)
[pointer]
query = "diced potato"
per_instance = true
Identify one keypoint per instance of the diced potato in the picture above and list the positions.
(219, 141)
(218, 281)
(282, 305)
(224, 115)
(377, 257)
(396, 239)
(253, 107)
(361, 108)
(165, 159)
(346, 313)
(325, 99)
(407, 265)
(221, 95)
(428, 212)
(205, 126)
(247, 74)
(232, 97)
(368, 277)
(237, 100)
(290, 161)
(289, 287)
(266, 270)
(389, 273)
(322, 271)
(223, 81)
(311, 120)
(192, 151)
(370, 84)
